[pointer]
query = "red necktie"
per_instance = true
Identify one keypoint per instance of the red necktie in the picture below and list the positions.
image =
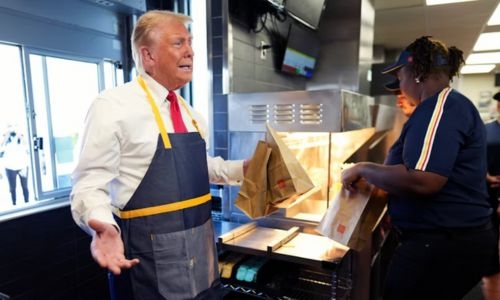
(175, 113)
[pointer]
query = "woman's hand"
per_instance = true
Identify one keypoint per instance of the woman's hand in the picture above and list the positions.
(493, 180)
(351, 176)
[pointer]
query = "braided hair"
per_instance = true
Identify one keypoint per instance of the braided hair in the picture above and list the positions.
(431, 56)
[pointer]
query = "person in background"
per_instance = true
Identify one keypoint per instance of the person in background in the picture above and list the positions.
(16, 162)
(404, 104)
(389, 237)
(491, 283)
(141, 183)
(434, 177)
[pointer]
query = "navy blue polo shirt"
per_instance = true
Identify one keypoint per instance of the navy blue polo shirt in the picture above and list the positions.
(445, 135)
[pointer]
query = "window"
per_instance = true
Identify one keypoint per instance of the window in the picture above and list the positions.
(61, 92)
(49, 116)
(12, 119)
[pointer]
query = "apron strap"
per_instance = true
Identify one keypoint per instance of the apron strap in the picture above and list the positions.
(158, 118)
(156, 112)
(193, 121)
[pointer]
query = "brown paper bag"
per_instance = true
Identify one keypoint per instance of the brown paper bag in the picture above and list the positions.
(252, 198)
(285, 175)
(344, 214)
(370, 218)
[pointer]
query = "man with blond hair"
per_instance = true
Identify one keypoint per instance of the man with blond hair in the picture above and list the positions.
(141, 185)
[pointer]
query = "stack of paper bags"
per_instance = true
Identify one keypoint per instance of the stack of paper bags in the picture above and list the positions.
(252, 197)
(285, 175)
(274, 176)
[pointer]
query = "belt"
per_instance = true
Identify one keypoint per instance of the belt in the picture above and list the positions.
(441, 232)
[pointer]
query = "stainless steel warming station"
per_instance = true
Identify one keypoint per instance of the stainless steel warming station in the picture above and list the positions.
(325, 129)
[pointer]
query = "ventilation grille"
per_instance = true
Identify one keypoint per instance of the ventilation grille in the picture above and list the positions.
(259, 113)
(311, 113)
(284, 113)
(305, 114)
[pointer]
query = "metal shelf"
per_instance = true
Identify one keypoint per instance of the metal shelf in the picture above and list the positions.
(298, 265)
(288, 245)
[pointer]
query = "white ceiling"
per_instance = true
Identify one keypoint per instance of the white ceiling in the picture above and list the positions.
(399, 22)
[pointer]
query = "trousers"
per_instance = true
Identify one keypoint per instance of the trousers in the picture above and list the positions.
(439, 264)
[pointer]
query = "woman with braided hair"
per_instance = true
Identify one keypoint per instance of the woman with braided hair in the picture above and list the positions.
(434, 175)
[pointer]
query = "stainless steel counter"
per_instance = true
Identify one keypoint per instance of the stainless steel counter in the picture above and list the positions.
(289, 245)
(222, 227)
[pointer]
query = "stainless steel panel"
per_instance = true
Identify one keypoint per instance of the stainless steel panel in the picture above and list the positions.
(306, 111)
(384, 117)
(285, 111)
(346, 33)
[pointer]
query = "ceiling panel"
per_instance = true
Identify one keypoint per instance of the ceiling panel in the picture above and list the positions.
(400, 22)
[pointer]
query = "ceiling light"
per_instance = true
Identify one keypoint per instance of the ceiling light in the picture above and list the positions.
(475, 69)
(439, 2)
(495, 18)
(483, 58)
(488, 41)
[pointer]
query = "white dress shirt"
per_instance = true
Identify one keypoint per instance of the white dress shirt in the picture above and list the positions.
(117, 145)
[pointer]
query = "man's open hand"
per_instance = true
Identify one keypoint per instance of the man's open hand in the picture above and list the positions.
(107, 248)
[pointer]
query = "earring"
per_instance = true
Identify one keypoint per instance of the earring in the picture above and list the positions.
(417, 80)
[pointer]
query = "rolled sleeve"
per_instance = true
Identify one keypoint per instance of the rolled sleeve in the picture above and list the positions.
(100, 213)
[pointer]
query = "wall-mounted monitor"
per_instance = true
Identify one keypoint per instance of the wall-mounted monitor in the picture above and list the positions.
(308, 12)
(301, 52)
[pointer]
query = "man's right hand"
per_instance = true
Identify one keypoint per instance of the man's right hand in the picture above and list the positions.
(107, 248)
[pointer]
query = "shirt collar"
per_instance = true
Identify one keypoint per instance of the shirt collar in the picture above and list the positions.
(158, 91)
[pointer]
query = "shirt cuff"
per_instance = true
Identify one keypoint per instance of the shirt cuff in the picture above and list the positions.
(102, 214)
